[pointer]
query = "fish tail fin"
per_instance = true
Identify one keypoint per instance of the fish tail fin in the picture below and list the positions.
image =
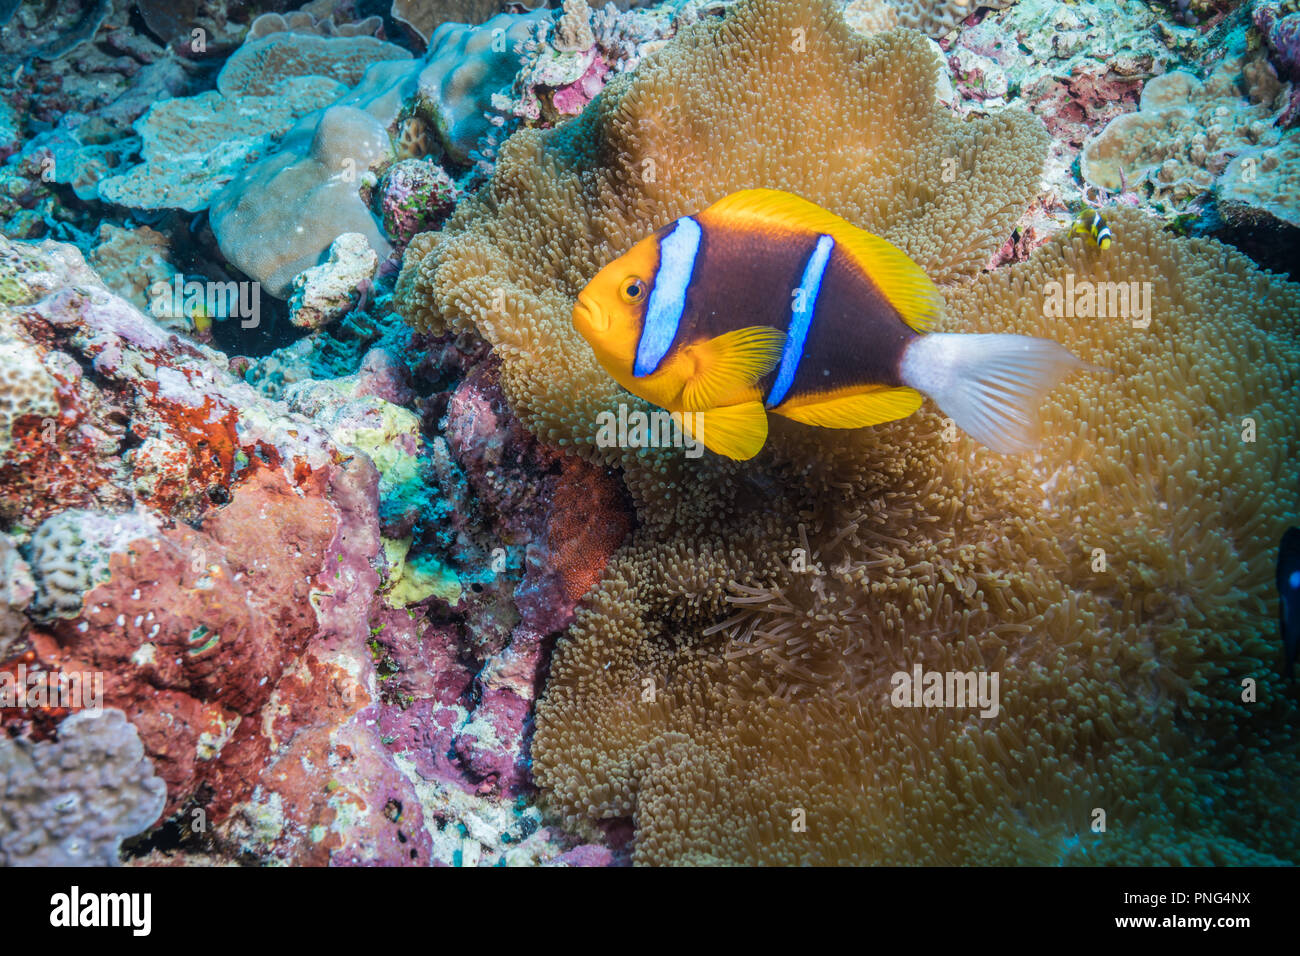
(990, 385)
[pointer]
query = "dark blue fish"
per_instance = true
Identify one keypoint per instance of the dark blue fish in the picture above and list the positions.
(1288, 590)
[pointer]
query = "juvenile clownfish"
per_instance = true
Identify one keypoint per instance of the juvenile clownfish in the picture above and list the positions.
(1090, 222)
(765, 302)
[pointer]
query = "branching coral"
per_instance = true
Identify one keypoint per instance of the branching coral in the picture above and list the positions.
(729, 683)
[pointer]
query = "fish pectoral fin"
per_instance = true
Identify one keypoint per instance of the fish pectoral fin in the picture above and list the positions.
(737, 431)
(854, 411)
(718, 368)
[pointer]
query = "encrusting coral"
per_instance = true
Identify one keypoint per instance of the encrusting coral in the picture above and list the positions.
(934, 18)
(728, 685)
(1180, 142)
(72, 802)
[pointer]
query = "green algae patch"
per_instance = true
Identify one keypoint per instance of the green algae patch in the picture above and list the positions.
(412, 579)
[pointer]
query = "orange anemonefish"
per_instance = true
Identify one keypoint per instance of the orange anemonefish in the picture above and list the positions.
(767, 302)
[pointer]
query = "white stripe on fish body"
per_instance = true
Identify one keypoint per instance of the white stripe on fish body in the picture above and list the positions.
(802, 308)
(677, 253)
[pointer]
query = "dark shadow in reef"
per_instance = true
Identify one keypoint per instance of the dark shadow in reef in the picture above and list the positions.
(1274, 248)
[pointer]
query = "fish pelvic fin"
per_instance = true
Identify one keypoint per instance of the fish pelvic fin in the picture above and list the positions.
(736, 431)
(990, 385)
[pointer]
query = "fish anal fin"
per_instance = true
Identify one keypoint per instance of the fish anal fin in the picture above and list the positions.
(725, 368)
(901, 280)
(736, 431)
(854, 411)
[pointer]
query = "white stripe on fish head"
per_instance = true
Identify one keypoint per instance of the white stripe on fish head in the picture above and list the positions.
(677, 252)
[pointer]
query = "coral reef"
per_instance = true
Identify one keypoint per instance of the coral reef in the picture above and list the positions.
(1187, 131)
(192, 147)
(1075, 66)
(280, 215)
(335, 559)
(255, 570)
(70, 554)
(72, 802)
(327, 292)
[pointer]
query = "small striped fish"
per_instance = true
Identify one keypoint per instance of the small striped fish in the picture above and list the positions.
(1091, 223)
(765, 302)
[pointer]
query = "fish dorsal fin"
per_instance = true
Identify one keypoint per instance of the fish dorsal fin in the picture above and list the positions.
(901, 280)
(737, 431)
(719, 369)
(854, 411)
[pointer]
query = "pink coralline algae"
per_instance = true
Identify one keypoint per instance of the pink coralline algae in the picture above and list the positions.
(573, 99)
(1073, 108)
(575, 517)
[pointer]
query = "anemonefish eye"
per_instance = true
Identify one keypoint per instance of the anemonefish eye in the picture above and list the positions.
(632, 290)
